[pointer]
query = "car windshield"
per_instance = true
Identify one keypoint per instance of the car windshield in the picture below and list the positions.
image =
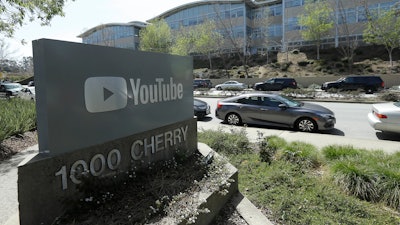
(12, 86)
(288, 102)
(397, 104)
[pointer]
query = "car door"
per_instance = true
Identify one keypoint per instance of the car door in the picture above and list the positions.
(249, 109)
(270, 112)
(271, 85)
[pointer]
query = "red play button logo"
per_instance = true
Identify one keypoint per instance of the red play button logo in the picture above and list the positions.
(104, 94)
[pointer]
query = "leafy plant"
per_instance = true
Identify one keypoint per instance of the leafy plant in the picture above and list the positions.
(17, 117)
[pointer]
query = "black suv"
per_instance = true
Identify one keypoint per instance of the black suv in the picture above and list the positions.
(275, 84)
(369, 84)
(202, 83)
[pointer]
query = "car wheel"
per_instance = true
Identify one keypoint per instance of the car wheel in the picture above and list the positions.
(306, 125)
(369, 90)
(233, 119)
(201, 116)
(219, 88)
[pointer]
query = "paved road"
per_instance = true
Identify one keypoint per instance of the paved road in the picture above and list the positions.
(351, 120)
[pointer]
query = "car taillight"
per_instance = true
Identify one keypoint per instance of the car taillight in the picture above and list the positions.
(383, 84)
(381, 116)
(219, 105)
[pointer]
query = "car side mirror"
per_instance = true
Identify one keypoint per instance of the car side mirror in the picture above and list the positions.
(282, 106)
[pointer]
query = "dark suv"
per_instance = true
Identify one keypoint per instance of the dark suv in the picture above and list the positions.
(369, 84)
(275, 84)
(202, 83)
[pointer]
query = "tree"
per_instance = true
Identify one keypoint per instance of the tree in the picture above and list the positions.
(239, 42)
(345, 30)
(14, 13)
(5, 51)
(208, 39)
(156, 37)
(316, 21)
(200, 39)
(383, 29)
(184, 41)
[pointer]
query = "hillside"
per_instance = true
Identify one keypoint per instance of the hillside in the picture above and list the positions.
(299, 63)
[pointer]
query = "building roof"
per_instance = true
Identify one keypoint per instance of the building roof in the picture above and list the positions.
(102, 26)
(192, 4)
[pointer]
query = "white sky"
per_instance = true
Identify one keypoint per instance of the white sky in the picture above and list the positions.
(82, 15)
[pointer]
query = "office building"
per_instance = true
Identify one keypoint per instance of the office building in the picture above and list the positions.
(255, 26)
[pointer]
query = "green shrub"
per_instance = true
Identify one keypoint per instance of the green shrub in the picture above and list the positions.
(17, 117)
(303, 154)
(356, 180)
(336, 152)
(226, 143)
(269, 146)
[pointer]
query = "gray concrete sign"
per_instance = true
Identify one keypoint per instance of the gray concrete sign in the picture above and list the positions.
(101, 111)
(88, 95)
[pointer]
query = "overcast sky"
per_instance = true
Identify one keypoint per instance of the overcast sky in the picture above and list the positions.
(82, 15)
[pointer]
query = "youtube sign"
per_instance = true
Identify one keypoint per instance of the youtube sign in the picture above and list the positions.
(103, 94)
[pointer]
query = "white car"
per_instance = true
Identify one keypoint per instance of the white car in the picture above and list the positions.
(28, 93)
(385, 117)
(232, 84)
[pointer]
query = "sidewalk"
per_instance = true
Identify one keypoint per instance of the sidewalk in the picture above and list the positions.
(8, 187)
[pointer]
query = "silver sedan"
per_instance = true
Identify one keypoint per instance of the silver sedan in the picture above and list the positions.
(385, 117)
(232, 85)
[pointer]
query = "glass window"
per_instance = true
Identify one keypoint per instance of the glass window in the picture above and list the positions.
(292, 24)
(294, 3)
(361, 14)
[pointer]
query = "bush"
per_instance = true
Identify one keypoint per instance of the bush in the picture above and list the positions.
(17, 116)
(269, 146)
(390, 97)
(303, 154)
(285, 66)
(226, 143)
(303, 63)
(335, 152)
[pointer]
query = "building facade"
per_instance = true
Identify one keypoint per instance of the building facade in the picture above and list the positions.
(119, 35)
(255, 26)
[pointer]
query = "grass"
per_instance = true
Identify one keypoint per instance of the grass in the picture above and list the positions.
(16, 117)
(295, 183)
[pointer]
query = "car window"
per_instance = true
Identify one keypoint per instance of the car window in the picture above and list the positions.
(270, 102)
(397, 104)
(270, 81)
(254, 100)
(348, 80)
(288, 102)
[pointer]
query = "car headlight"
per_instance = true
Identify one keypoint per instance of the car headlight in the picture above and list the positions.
(327, 116)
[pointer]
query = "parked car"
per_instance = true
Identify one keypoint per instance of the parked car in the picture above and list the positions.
(231, 84)
(276, 84)
(27, 93)
(202, 83)
(201, 109)
(11, 89)
(369, 84)
(385, 117)
(274, 110)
